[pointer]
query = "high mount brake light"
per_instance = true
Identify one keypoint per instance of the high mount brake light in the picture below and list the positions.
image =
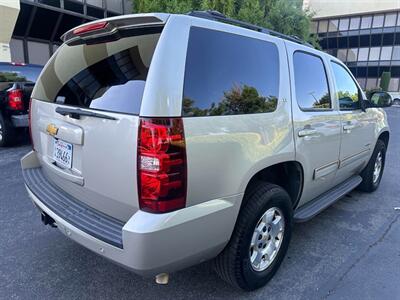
(90, 27)
(15, 100)
(161, 165)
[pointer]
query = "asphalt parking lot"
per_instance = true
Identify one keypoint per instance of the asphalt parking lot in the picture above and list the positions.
(350, 251)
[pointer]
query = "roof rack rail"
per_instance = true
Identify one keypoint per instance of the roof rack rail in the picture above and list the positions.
(217, 16)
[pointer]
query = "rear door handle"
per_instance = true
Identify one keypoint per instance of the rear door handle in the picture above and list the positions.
(307, 132)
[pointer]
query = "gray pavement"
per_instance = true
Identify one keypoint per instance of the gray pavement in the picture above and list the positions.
(350, 251)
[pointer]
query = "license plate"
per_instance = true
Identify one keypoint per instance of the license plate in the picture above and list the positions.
(62, 154)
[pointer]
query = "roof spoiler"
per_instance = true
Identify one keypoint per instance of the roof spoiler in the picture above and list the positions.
(113, 28)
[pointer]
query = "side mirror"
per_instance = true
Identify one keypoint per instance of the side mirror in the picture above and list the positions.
(381, 99)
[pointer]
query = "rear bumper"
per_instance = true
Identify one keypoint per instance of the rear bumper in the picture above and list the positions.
(150, 243)
(20, 120)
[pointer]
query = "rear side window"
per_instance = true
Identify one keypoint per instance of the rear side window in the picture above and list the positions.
(312, 92)
(228, 74)
(108, 76)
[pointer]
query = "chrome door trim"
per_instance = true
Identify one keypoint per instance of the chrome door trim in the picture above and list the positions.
(326, 169)
(352, 158)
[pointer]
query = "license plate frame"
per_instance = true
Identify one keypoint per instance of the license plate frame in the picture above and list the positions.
(63, 153)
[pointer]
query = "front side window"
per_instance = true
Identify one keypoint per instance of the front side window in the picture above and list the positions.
(229, 74)
(347, 90)
(312, 92)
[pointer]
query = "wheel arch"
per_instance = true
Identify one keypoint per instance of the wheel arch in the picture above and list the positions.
(288, 174)
(384, 137)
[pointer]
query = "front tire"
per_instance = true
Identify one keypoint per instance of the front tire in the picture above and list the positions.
(260, 239)
(372, 174)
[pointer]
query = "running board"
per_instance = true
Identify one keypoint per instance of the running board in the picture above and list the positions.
(315, 206)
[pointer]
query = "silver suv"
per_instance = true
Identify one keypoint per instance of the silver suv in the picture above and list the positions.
(161, 141)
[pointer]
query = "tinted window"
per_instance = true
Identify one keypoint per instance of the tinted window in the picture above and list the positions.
(228, 74)
(114, 84)
(347, 90)
(107, 76)
(11, 73)
(311, 85)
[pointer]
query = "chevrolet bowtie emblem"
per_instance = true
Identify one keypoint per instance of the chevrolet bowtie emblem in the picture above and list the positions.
(52, 129)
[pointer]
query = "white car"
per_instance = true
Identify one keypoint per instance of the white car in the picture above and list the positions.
(161, 141)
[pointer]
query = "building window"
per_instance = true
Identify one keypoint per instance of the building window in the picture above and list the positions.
(362, 82)
(352, 54)
(390, 20)
(371, 83)
(374, 53)
(333, 25)
(396, 53)
(378, 21)
(314, 27)
(344, 24)
(363, 54)
(394, 84)
(38, 53)
(323, 26)
(386, 53)
(98, 3)
(17, 51)
(355, 23)
(114, 5)
(366, 22)
(342, 53)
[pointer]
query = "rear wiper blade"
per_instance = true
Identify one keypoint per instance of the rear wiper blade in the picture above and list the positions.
(77, 113)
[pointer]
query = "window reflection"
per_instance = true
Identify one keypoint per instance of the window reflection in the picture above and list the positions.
(114, 84)
(310, 82)
(347, 90)
(238, 100)
(228, 74)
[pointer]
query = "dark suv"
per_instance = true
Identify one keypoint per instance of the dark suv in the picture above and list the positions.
(16, 84)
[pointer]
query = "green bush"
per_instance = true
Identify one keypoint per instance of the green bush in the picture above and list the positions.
(385, 80)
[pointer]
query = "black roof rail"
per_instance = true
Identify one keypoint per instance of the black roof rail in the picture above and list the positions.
(217, 16)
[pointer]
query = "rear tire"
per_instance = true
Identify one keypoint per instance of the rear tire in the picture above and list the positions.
(7, 133)
(372, 174)
(243, 261)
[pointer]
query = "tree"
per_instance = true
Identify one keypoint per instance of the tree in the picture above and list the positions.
(385, 79)
(285, 16)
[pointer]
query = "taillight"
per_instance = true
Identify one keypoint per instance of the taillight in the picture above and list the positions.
(15, 100)
(161, 165)
(30, 123)
(90, 27)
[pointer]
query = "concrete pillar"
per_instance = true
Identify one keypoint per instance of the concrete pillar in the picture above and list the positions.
(9, 10)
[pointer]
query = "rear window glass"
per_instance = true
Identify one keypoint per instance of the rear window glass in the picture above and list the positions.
(228, 74)
(108, 76)
(11, 73)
